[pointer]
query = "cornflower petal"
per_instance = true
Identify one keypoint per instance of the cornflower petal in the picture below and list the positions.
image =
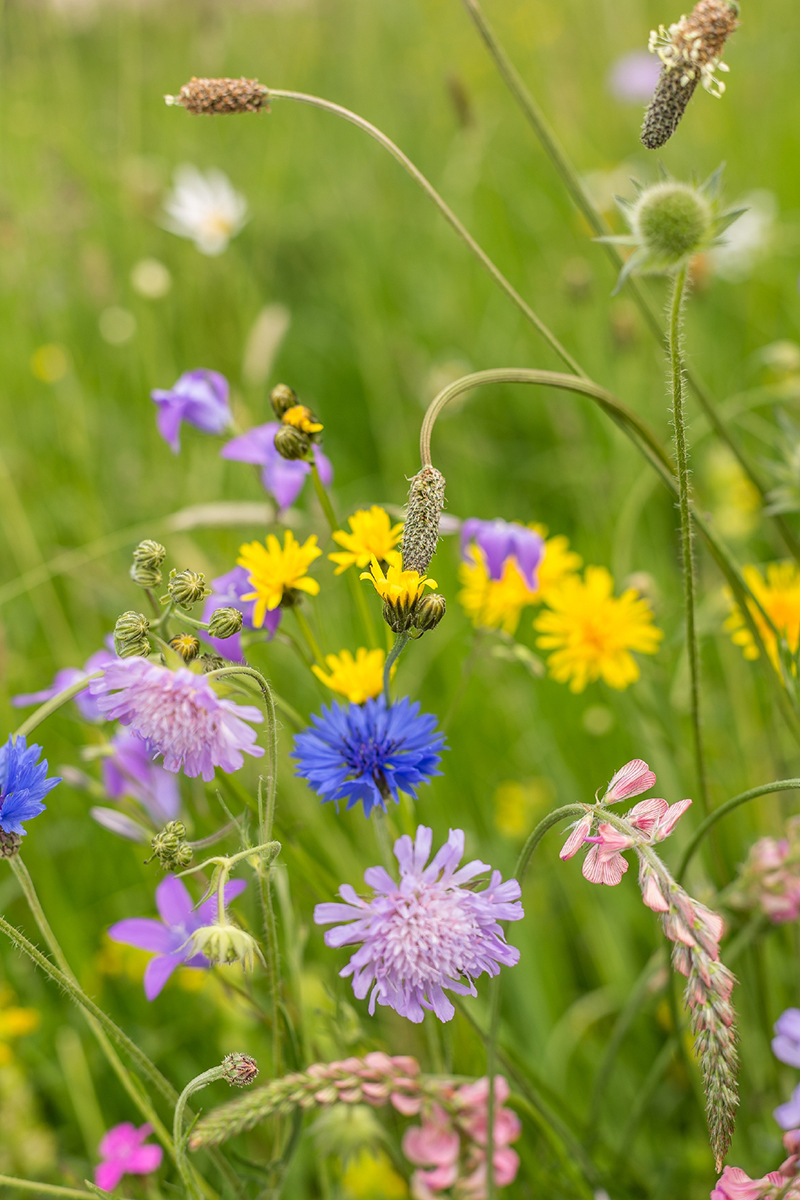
(23, 784)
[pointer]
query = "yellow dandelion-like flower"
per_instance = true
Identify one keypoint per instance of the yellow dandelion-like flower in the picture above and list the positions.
(592, 633)
(275, 570)
(779, 596)
(372, 535)
(558, 562)
(302, 418)
(498, 603)
(356, 678)
(398, 588)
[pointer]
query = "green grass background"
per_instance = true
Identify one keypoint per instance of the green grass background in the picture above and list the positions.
(383, 300)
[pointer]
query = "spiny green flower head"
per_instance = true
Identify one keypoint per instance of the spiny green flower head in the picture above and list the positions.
(670, 222)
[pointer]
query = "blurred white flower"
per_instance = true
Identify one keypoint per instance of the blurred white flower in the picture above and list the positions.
(747, 239)
(206, 208)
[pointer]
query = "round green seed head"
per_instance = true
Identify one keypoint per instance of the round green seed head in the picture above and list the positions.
(673, 221)
(225, 622)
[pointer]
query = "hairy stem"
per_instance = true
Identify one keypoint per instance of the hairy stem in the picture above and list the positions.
(179, 1137)
(400, 643)
(780, 785)
(48, 1189)
(547, 823)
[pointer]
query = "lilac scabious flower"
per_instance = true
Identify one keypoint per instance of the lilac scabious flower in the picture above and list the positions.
(369, 752)
(123, 1152)
(500, 540)
(427, 933)
(170, 938)
(131, 771)
(283, 478)
(180, 715)
(23, 784)
(227, 592)
(86, 703)
(199, 397)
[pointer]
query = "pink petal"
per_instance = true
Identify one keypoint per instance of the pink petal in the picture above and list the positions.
(653, 896)
(407, 1106)
(144, 1160)
(668, 822)
(611, 840)
(646, 814)
(107, 1175)
(442, 1177)
(577, 837)
(506, 1165)
(632, 779)
(598, 868)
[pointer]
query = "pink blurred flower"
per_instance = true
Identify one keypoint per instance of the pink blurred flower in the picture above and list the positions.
(633, 76)
(123, 1152)
(736, 1184)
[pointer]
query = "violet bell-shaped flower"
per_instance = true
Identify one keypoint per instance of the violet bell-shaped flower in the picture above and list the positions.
(786, 1043)
(500, 540)
(85, 702)
(283, 478)
(131, 771)
(227, 591)
(200, 398)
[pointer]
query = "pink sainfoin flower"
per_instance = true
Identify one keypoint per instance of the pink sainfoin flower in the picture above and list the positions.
(426, 934)
(769, 881)
(123, 1152)
(736, 1184)
(179, 714)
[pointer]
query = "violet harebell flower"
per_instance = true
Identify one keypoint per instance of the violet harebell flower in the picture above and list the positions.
(227, 592)
(131, 771)
(85, 701)
(23, 784)
(169, 939)
(786, 1043)
(199, 397)
(369, 752)
(282, 477)
(426, 934)
(500, 540)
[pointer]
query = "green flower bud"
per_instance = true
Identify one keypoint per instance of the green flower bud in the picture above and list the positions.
(185, 644)
(138, 649)
(226, 944)
(149, 554)
(130, 635)
(240, 1069)
(171, 848)
(225, 622)
(186, 588)
(282, 398)
(9, 844)
(429, 611)
(398, 618)
(673, 220)
(146, 577)
(291, 442)
(211, 662)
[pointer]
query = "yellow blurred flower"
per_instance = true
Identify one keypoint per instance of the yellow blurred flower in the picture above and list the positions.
(15, 1022)
(498, 603)
(356, 678)
(779, 596)
(558, 562)
(371, 1176)
(275, 570)
(372, 535)
(302, 418)
(517, 804)
(592, 633)
(398, 588)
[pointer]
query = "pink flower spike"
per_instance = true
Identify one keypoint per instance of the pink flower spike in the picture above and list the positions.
(577, 837)
(647, 814)
(407, 1106)
(602, 867)
(652, 895)
(631, 780)
(433, 1144)
(666, 824)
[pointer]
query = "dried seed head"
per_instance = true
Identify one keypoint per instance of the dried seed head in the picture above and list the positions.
(240, 1069)
(9, 844)
(221, 96)
(690, 51)
(421, 530)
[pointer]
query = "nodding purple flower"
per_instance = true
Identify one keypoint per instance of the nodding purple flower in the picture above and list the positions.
(170, 938)
(23, 784)
(85, 701)
(369, 752)
(786, 1043)
(500, 540)
(426, 934)
(199, 397)
(180, 715)
(123, 1152)
(633, 76)
(227, 592)
(131, 771)
(282, 477)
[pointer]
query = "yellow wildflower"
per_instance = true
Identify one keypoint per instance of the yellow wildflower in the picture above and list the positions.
(356, 678)
(558, 562)
(779, 596)
(398, 588)
(371, 1176)
(277, 570)
(498, 603)
(302, 418)
(372, 536)
(593, 633)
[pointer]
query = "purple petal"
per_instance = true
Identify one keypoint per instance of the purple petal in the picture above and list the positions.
(173, 901)
(144, 933)
(324, 467)
(158, 971)
(255, 446)
(788, 1115)
(206, 914)
(168, 421)
(284, 478)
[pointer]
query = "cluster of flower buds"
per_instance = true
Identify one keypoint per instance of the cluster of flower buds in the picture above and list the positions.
(147, 559)
(171, 848)
(130, 635)
(186, 588)
(783, 1184)
(769, 881)
(450, 1142)
(299, 427)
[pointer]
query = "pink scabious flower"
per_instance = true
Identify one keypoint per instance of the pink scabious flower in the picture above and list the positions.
(427, 933)
(123, 1152)
(179, 714)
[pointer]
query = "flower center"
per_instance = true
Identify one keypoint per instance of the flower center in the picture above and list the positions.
(427, 937)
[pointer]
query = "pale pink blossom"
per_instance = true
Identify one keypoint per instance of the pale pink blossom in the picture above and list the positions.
(736, 1184)
(631, 780)
(604, 862)
(580, 832)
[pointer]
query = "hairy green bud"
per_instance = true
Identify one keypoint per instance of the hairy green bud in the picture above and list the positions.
(226, 944)
(149, 553)
(239, 1069)
(282, 398)
(429, 611)
(225, 622)
(674, 220)
(186, 588)
(130, 635)
(291, 442)
(171, 848)
(185, 644)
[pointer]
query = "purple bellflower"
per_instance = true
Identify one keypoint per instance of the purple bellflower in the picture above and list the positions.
(85, 701)
(227, 592)
(180, 715)
(786, 1043)
(369, 752)
(282, 477)
(500, 540)
(23, 784)
(131, 771)
(123, 1152)
(427, 933)
(633, 77)
(169, 939)
(200, 398)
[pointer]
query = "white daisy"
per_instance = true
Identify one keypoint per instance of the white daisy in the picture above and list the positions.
(205, 207)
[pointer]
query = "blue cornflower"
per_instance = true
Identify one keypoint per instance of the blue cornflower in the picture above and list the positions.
(369, 752)
(23, 784)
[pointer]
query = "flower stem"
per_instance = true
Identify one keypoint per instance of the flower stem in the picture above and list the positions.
(491, 1054)
(47, 709)
(323, 497)
(547, 823)
(780, 785)
(310, 640)
(678, 389)
(381, 823)
(48, 1189)
(400, 643)
(178, 1136)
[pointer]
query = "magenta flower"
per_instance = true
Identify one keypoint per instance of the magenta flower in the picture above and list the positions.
(180, 715)
(283, 478)
(736, 1184)
(227, 592)
(427, 933)
(199, 397)
(131, 771)
(500, 540)
(786, 1043)
(86, 703)
(169, 939)
(124, 1152)
(633, 77)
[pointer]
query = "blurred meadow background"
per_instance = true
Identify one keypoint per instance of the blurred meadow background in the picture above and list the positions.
(346, 284)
